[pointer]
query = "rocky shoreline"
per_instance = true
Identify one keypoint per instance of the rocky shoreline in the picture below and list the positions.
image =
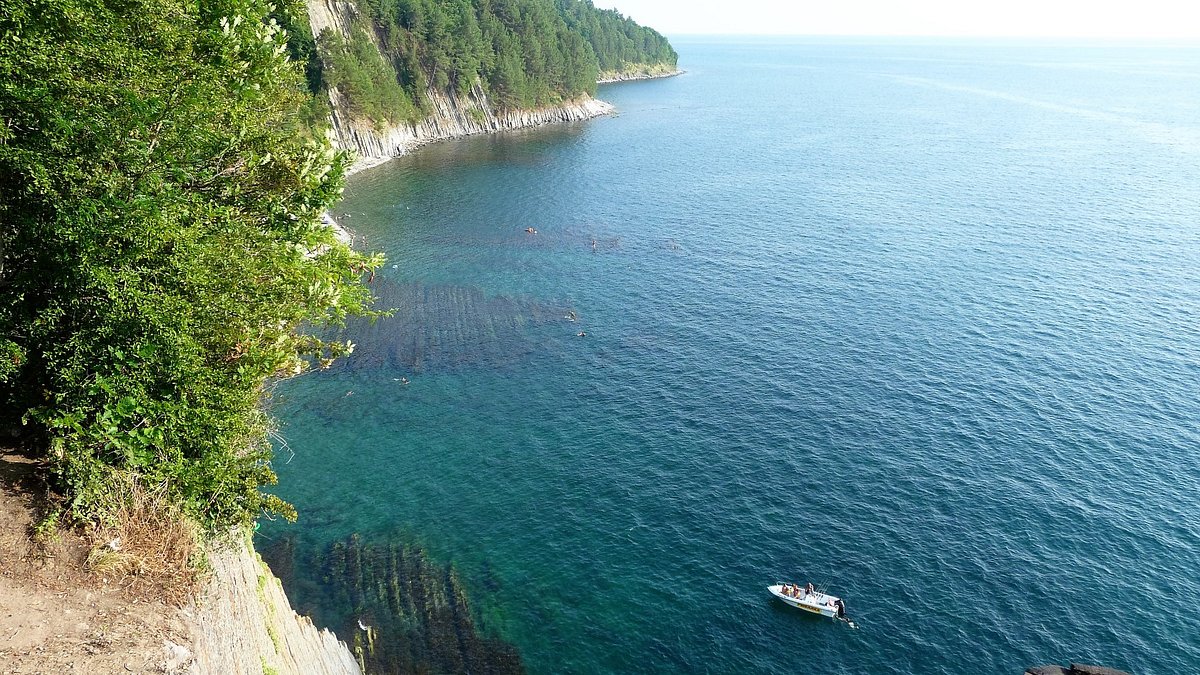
(452, 118)
(459, 117)
(652, 74)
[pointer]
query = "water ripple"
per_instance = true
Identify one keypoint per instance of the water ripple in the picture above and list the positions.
(921, 323)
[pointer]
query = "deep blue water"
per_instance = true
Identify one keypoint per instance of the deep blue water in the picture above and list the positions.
(919, 322)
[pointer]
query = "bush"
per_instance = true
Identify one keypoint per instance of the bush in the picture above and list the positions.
(160, 224)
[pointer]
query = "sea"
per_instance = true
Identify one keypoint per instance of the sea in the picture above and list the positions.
(914, 320)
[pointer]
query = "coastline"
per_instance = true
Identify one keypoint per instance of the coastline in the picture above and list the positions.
(452, 118)
(471, 115)
(68, 613)
(613, 78)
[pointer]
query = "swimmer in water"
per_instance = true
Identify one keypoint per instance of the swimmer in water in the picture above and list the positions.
(530, 230)
(571, 316)
(581, 334)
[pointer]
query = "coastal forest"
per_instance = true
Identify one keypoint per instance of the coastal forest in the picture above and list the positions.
(163, 258)
(519, 53)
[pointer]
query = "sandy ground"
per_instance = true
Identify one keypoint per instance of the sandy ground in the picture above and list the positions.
(57, 618)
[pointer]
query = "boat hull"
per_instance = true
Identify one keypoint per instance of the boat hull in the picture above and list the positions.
(814, 603)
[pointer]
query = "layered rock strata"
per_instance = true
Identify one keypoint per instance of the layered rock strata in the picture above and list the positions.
(243, 624)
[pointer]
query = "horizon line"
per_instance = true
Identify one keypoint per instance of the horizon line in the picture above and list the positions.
(1193, 39)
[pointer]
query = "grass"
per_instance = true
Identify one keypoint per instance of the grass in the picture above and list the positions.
(149, 543)
(44, 534)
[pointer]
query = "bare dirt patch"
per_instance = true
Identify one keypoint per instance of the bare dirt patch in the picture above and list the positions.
(56, 617)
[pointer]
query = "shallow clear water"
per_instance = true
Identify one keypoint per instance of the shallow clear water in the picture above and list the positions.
(916, 321)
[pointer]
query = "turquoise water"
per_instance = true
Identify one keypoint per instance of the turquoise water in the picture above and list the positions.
(919, 322)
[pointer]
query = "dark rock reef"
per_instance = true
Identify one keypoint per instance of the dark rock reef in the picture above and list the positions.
(399, 611)
(1073, 669)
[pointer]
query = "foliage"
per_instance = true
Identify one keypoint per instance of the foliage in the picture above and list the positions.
(45, 530)
(292, 17)
(160, 227)
(11, 358)
(617, 41)
(356, 69)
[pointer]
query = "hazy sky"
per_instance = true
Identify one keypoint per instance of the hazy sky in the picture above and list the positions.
(1038, 18)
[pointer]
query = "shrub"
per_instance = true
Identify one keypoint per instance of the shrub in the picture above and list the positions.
(160, 225)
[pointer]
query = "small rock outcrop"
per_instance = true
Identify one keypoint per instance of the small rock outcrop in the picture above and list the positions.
(639, 72)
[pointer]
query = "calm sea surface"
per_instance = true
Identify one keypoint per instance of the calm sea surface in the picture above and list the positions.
(919, 322)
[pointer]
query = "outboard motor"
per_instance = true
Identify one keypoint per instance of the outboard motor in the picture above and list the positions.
(841, 609)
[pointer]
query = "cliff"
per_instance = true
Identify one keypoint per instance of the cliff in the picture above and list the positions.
(244, 624)
(64, 614)
(452, 117)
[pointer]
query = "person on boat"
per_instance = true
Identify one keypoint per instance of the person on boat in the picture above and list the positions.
(787, 590)
(809, 590)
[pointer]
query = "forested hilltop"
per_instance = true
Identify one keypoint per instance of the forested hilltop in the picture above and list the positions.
(521, 53)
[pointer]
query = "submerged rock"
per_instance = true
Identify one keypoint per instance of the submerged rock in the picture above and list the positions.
(1073, 669)
(399, 611)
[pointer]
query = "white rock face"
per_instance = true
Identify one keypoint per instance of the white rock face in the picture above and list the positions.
(244, 622)
(454, 118)
(333, 14)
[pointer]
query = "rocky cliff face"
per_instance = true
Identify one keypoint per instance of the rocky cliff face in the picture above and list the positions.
(452, 117)
(244, 625)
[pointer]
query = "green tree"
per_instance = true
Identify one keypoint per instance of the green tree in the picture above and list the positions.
(162, 244)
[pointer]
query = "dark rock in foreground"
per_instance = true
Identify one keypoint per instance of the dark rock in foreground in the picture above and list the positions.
(1073, 669)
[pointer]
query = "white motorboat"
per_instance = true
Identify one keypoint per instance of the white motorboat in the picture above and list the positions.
(810, 600)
